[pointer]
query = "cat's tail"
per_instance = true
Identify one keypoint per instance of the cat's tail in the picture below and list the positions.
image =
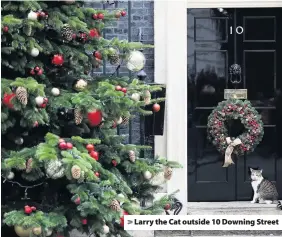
(279, 205)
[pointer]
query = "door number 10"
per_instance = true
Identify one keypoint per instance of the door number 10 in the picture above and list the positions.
(239, 30)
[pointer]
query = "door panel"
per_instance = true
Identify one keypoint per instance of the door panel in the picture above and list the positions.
(211, 50)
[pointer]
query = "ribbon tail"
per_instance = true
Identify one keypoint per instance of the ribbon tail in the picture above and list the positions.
(228, 160)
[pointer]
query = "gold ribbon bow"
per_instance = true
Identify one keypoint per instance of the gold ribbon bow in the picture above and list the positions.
(228, 152)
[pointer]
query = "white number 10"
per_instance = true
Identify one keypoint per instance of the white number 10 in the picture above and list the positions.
(239, 30)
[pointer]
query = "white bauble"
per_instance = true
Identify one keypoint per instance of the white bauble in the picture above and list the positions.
(158, 179)
(19, 140)
(121, 196)
(147, 175)
(39, 100)
(11, 175)
(106, 229)
(55, 91)
(135, 61)
(34, 52)
(48, 232)
(135, 96)
(119, 121)
(32, 15)
(80, 85)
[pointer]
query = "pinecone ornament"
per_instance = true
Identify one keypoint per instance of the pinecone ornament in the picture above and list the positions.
(76, 172)
(115, 205)
(29, 165)
(78, 117)
(21, 94)
(67, 32)
(125, 120)
(132, 156)
(55, 169)
(82, 176)
(168, 173)
(147, 97)
(113, 57)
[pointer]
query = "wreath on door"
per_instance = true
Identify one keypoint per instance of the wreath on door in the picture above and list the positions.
(246, 142)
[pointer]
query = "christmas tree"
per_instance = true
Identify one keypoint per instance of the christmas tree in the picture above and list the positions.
(64, 165)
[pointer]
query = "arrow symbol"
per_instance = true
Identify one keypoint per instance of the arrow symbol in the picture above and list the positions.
(129, 222)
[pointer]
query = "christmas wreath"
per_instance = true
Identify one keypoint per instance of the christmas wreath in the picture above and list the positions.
(233, 109)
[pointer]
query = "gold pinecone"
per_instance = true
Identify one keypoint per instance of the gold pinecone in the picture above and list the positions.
(168, 173)
(78, 117)
(76, 172)
(67, 32)
(114, 59)
(147, 97)
(115, 205)
(29, 165)
(21, 94)
(132, 156)
(125, 120)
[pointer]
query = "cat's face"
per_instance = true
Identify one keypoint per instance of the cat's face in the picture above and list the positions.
(256, 174)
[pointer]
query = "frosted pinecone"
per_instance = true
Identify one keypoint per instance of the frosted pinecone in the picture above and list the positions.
(147, 97)
(55, 169)
(168, 173)
(29, 165)
(114, 59)
(21, 94)
(78, 117)
(132, 156)
(76, 172)
(67, 32)
(115, 205)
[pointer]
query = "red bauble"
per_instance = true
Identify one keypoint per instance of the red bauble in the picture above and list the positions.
(123, 13)
(84, 221)
(77, 201)
(32, 72)
(94, 117)
(63, 145)
(97, 54)
(167, 206)
(40, 72)
(69, 145)
(58, 60)
(156, 107)
(97, 174)
(122, 218)
(94, 154)
(93, 33)
(33, 208)
(7, 100)
(89, 147)
(95, 16)
(114, 162)
(118, 88)
(114, 125)
(43, 105)
(100, 16)
(36, 68)
(5, 29)
(124, 90)
(27, 210)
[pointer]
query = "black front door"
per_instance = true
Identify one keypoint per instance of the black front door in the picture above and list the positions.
(218, 38)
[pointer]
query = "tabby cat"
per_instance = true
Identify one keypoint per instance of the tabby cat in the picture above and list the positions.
(264, 190)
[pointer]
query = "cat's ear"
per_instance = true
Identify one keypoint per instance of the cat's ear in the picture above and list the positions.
(261, 171)
(251, 170)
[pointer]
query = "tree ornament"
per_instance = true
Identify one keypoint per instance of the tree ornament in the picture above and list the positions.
(158, 179)
(119, 121)
(132, 156)
(27, 210)
(118, 88)
(55, 169)
(94, 154)
(39, 100)
(29, 165)
(147, 175)
(32, 72)
(93, 33)
(90, 147)
(84, 221)
(167, 206)
(34, 52)
(147, 97)
(114, 162)
(117, 14)
(135, 97)
(19, 141)
(97, 54)
(35, 124)
(95, 16)
(43, 15)
(124, 90)
(168, 173)
(63, 145)
(48, 232)
(33, 208)
(21, 94)
(122, 218)
(7, 100)
(37, 230)
(135, 61)
(5, 29)
(113, 56)
(58, 60)
(115, 205)
(94, 117)
(21, 232)
(11, 175)
(97, 174)
(123, 13)
(55, 91)
(156, 107)
(106, 229)
(100, 16)
(67, 32)
(77, 201)
(76, 171)
(69, 145)
(32, 16)
(78, 116)
(80, 85)
(125, 120)
(82, 37)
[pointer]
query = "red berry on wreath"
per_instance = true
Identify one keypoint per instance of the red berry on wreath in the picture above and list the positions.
(167, 206)
(40, 72)
(7, 100)
(97, 54)
(58, 60)
(89, 147)
(93, 33)
(118, 88)
(5, 29)
(77, 201)
(114, 162)
(63, 145)
(32, 72)
(36, 68)
(84, 221)
(123, 13)
(100, 16)
(94, 154)
(27, 210)
(124, 90)
(95, 16)
(69, 145)
(156, 107)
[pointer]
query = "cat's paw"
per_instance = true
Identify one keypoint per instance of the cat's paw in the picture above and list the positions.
(253, 201)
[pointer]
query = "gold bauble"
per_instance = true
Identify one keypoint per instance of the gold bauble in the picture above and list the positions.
(37, 230)
(21, 232)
